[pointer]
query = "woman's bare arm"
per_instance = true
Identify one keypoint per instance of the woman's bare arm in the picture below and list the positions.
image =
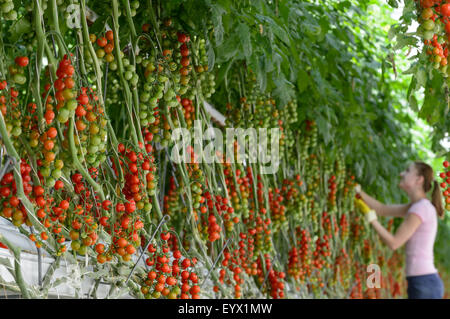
(404, 232)
(398, 210)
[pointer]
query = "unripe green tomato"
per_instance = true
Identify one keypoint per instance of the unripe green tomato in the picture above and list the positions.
(173, 103)
(128, 75)
(72, 105)
(173, 66)
(16, 131)
(92, 149)
(151, 119)
(162, 78)
(102, 134)
(82, 250)
(50, 182)
(91, 158)
(7, 7)
(102, 148)
(68, 94)
(33, 143)
(182, 90)
(56, 174)
(100, 53)
(113, 65)
(134, 80)
(143, 115)
(153, 102)
(45, 171)
(125, 62)
(19, 78)
(138, 59)
(101, 158)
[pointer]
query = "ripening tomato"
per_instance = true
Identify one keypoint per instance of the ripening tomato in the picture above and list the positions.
(109, 35)
(102, 41)
(21, 61)
(445, 10)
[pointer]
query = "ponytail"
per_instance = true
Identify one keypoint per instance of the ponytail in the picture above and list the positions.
(426, 171)
(436, 199)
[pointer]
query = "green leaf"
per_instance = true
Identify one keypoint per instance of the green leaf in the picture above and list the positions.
(211, 55)
(413, 103)
(403, 40)
(216, 16)
(275, 28)
(243, 32)
(421, 76)
(18, 28)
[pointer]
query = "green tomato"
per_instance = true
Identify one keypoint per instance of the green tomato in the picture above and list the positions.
(82, 250)
(113, 65)
(153, 102)
(7, 7)
(19, 78)
(56, 174)
(16, 131)
(428, 25)
(128, 75)
(138, 59)
(151, 119)
(50, 182)
(134, 80)
(91, 158)
(143, 115)
(145, 96)
(76, 245)
(72, 105)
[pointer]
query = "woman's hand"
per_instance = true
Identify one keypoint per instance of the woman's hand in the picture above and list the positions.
(369, 214)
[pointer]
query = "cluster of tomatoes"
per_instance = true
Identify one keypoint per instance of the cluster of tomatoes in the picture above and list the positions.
(299, 263)
(445, 184)
(435, 29)
(275, 278)
(82, 218)
(11, 205)
(277, 209)
(9, 106)
(105, 46)
(171, 275)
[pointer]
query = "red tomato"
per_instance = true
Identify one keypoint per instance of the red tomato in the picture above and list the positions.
(21, 61)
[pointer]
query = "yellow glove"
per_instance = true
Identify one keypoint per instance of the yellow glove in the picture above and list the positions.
(362, 205)
(369, 214)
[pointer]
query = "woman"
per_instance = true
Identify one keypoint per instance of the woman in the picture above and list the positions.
(418, 229)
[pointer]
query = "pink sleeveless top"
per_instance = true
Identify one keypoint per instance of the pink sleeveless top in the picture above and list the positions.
(419, 248)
